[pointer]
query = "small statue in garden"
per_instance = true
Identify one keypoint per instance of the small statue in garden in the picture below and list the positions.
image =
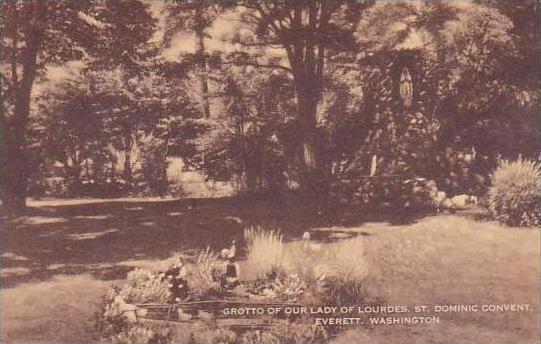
(307, 244)
(232, 273)
(231, 277)
(406, 87)
(229, 253)
(305, 239)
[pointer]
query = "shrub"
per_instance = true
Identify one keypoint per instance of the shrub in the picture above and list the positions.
(265, 251)
(300, 333)
(211, 336)
(515, 194)
(206, 273)
(200, 334)
(139, 334)
(57, 187)
(384, 193)
(110, 326)
(278, 285)
(294, 333)
(343, 275)
(143, 286)
(259, 337)
(108, 322)
(113, 327)
(209, 264)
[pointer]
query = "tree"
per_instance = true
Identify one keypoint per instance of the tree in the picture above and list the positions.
(244, 141)
(98, 111)
(129, 104)
(462, 61)
(197, 17)
(37, 34)
(524, 74)
(71, 126)
(128, 58)
(306, 30)
(23, 22)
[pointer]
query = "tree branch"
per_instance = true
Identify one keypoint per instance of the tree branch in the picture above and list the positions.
(13, 30)
(259, 65)
(276, 29)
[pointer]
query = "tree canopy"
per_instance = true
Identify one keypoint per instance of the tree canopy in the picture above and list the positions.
(266, 95)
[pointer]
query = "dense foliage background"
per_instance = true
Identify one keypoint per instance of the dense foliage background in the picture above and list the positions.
(348, 99)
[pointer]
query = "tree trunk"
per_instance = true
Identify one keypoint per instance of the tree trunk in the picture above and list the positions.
(15, 169)
(306, 58)
(128, 144)
(112, 160)
(203, 70)
(313, 177)
(308, 78)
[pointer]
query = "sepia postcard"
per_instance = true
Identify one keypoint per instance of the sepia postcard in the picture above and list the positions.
(270, 171)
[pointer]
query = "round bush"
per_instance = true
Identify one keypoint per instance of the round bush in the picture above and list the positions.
(515, 194)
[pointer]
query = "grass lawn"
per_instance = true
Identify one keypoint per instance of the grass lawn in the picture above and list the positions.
(59, 259)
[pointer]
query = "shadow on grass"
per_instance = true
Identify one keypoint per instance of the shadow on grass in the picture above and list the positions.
(97, 236)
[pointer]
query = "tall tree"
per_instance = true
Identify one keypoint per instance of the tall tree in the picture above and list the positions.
(244, 141)
(129, 57)
(197, 17)
(306, 30)
(25, 27)
(37, 34)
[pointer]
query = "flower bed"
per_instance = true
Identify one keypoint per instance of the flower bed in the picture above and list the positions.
(189, 297)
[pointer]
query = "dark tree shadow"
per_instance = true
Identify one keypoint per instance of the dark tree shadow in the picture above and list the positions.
(96, 237)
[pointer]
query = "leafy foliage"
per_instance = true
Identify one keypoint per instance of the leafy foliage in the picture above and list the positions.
(515, 193)
(259, 337)
(270, 109)
(448, 133)
(301, 332)
(245, 141)
(108, 323)
(278, 284)
(335, 277)
(141, 334)
(113, 125)
(143, 286)
(384, 194)
(44, 33)
(207, 272)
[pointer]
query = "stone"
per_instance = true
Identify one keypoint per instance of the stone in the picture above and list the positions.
(126, 309)
(183, 316)
(447, 203)
(440, 197)
(462, 201)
